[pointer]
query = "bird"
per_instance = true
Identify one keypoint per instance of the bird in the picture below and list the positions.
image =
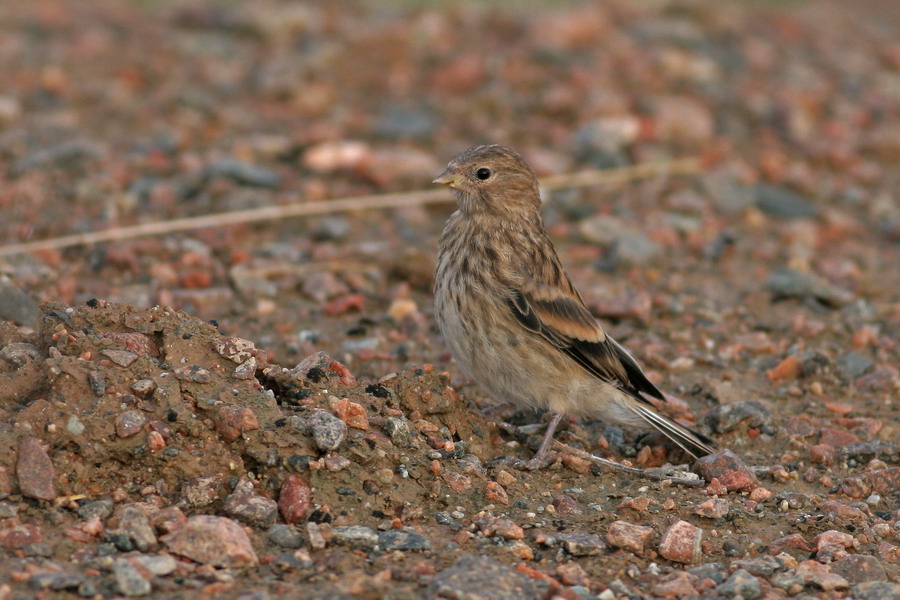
(512, 318)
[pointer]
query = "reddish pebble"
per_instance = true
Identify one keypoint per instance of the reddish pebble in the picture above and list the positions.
(34, 470)
(628, 536)
(821, 454)
(344, 304)
(231, 422)
(295, 499)
(726, 466)
(155, 441)
(786, 370)
(760, 494)
(795, 541)
(17, 535)
(682, 543)
(837, 437)
(567, 505)
(351, 413)
(833, 538)
(130, 422)
(494, 492)
(715, 488)
(209, 540)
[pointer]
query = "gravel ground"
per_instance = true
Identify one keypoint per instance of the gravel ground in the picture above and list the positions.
(267, 410)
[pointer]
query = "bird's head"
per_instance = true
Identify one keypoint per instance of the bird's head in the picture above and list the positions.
(492, 179)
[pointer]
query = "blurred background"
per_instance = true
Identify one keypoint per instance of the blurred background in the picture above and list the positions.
(119, 113)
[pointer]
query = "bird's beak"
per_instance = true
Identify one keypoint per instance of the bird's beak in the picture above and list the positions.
(450, 177)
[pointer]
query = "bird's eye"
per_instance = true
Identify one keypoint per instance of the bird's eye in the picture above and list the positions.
(483, 173)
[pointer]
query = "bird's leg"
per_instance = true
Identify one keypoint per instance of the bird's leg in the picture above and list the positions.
(537, 461)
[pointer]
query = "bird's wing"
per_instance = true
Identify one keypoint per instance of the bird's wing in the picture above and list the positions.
(559, 316)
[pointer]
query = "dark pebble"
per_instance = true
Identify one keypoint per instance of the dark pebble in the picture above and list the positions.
(782, 203)
(483, 578)
(403, 539)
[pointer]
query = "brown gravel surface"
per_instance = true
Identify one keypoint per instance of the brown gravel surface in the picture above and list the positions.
(267, 410)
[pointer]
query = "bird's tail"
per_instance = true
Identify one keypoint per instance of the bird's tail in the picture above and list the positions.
(693, 442)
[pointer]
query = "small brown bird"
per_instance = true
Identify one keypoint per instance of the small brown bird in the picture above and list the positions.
(514, 321)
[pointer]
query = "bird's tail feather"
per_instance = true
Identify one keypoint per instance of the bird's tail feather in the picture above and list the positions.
(693, 442)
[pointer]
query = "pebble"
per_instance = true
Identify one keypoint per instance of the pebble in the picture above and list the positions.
(876, 590)
(782, 203)
(232, 421)
(295, 499)
(405, 540)
(134, 523)
(853, 365)
(130, 422)
(482, 578)
(785, 282)
(625, 535)
(727, 417)
(327, 430)
(285, 536)
(356, 536)
(216, 541)
(16, 305)
(129, 579)
(243, 173)
(728, 468)
(351, 413)
(581, 544)
(859, 568)
(55, 581)
(740, 584)
(158, 564)
(679, 584)
(34, 470)
(248, 507)
(100, 509)
(398, 431)
(682, 543)
(713, 508)
(567, 505)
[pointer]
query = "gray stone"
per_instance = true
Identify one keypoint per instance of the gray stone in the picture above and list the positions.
(158, 564)
(725, 417)
(405, 122)
(135, 524)
(245, 505)
(483, 578)
(876, 590)
(785, 282)
(55, 581)
(853, 365)
(403, 539)
(399, 432)
(19, 354)
(356, 536)
(243, 173)
(635, 249)
(581, 544)
(285, 536)
(859, 568)
(742, 585)
(129, 580)
(782, 203)
(95, 508)
(327, 430)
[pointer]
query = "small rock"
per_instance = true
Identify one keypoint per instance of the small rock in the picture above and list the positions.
(834, 538)
(682, 543)
(130, 422)
(232, 421)
(351, 413)
(398, 431)
(784, 282)
(859, 568)
(405, 540)
(483, 578)
(740, 584)
(728, 468)
(215, 541)
(35, 470)
(783, 203)
(134, 523)
(295, 499)
(237, 350)
(285, 536)
(95, 508)
(853, 365)
(336, 462)
(713, 508)
(356, 536)
(876, 590)
(634, 538)
(16, 305)
(129, 580)
(581, 544)
(567, 505)
(327, 430)
(726, 417)
(123, 358)
(242, 173)
(55, 581)
(193, 374)
(246, 506)
(679, 584)
(158, 564)
(19, 535)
